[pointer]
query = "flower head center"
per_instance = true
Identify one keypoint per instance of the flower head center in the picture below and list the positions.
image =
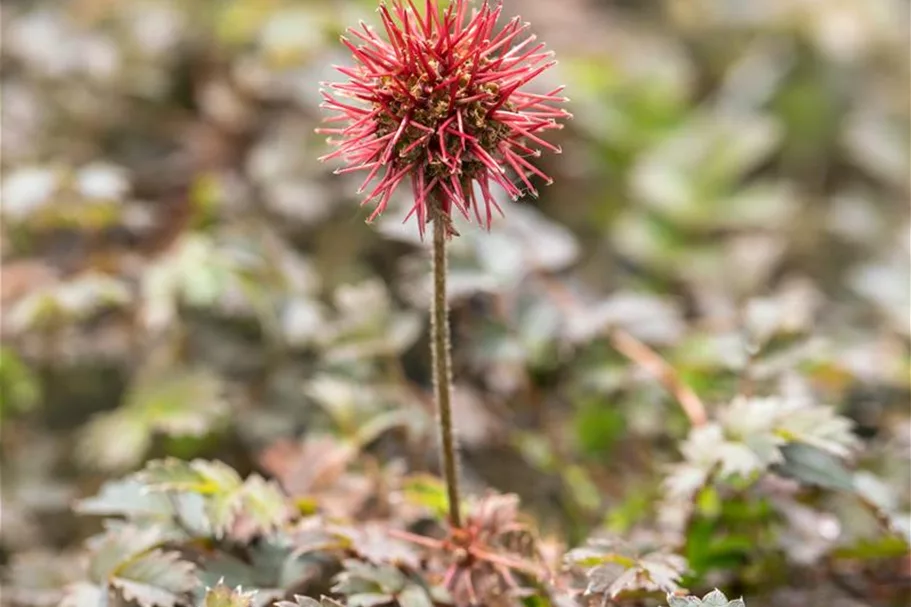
(443, 110)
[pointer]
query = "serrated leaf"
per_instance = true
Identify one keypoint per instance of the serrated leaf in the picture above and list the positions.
(218, 483)
(615, 568)
(651, 573)
(305, 601)
(198, 476)
(756, 433)
(753, 422)
(820, 427)
(224, 596)
(156, 579)
(117, 546)
(264, 508)
(713, 599)
(717, 599)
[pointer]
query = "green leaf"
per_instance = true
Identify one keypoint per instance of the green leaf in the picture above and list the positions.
(174, 402)
(178, 402)
(299, 601)
(358, 577)
(198, 476)
(616, 568)
(818, 426)
(131, 499)
(414, 596)
(128, 498)
(155, 579)
(713, 599)
(97, 448)
(885, 547)
(118, 545)
(304, 601)
(223, 596)
(427, 491)
(598, 427)
(265, 506)
(128, 558)
(19, 386)
(369, 599)
(816, 467)
(218, 483)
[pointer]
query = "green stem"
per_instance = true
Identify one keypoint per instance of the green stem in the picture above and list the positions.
(442, 369)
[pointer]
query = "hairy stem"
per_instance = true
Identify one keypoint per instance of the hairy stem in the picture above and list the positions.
(442, 369)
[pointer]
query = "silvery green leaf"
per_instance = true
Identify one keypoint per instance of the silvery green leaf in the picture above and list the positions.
(815, 466)
(224, 596)
(819, 426)
(155, 579)
(118, 545)
(128, 498)
(370, 599)
(299, 601)
(753, 422)
(615, 567)
(717, 599)
(265, 506)
(197, 476)
(713, 599)
(219, 484)
(738, 459)
(96, 447)
(414, 596)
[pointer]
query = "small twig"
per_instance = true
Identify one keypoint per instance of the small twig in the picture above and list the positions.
(652, 362)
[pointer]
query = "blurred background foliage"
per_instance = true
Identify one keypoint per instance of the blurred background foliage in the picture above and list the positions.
(181, 277)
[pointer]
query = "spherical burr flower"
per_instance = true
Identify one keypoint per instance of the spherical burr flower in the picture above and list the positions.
(438, 103)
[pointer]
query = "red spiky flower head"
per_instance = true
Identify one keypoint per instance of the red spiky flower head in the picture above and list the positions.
(439, 104)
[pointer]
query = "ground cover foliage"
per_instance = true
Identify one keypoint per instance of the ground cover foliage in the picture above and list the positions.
(684, 368)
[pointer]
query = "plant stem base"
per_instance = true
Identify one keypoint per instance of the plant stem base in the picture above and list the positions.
(442, 370)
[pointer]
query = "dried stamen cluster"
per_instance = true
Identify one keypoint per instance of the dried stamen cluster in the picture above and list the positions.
(438, 103)
(478, 562)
